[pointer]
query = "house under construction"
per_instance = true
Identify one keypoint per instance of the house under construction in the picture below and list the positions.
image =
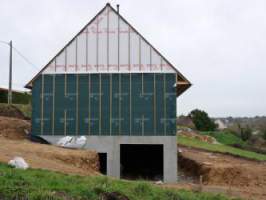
(112, 86)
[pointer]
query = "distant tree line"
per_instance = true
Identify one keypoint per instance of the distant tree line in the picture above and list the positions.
(17, 97)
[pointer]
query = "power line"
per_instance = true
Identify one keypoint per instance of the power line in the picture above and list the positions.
(25, 58)
(10, 67)
(21, 55)
(4, 42)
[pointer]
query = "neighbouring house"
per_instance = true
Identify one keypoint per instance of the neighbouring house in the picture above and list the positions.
(256, 132)
(112, 86)
(221, 125)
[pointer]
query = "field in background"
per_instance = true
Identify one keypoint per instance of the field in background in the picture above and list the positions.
(224, 137)
(222, 148)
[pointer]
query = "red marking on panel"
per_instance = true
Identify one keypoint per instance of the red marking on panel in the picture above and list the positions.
(104, 31)
(103, 67)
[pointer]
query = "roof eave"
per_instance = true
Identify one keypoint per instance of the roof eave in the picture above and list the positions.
(182, 84)
(180, 89)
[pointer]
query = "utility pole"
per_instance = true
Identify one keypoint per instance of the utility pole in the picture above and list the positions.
(10, 75)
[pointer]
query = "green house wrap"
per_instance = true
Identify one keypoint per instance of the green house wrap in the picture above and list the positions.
(108, 80)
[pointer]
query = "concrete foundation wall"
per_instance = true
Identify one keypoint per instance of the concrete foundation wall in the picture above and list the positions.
(111, 146)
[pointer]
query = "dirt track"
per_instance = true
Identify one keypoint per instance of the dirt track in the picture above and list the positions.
(225, 173)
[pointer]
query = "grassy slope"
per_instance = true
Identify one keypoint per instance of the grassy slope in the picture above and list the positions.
(224, 137)
(42, 184)
(219, 148)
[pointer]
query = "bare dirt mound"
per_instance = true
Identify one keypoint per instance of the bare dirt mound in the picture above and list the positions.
(246, 177)
(221, 169)
(13, 128)
(49, 157)
(13, 142)
(11, 111)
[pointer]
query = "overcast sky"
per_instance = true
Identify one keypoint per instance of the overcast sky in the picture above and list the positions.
(219, 45)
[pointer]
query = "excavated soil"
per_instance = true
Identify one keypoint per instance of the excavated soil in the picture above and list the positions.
(11, 111)
(41, 156)
(14, 128)
(13, 142)
(220, 172)
(216, 168)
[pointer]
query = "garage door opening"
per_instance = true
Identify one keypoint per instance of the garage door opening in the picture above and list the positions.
(103, 162)
(141, 161)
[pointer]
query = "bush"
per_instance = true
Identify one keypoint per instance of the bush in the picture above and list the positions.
(245, 133)
(264, 134)
(202, 121)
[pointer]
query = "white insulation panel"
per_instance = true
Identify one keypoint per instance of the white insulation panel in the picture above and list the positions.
(108, 44)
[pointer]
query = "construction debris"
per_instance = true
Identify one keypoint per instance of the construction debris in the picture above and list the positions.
(72, 142)
(18, 162)
(159, 182)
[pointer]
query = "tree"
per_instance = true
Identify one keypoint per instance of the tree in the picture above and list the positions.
(264, 134)
(202, 121)
(245, 133)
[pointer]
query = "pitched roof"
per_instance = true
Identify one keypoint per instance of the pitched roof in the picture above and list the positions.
(98, 48)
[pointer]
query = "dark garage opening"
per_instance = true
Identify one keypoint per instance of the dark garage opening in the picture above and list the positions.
(103, 162)
(141, 161)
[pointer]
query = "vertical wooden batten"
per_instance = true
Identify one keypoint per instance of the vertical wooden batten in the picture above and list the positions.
(42, 99)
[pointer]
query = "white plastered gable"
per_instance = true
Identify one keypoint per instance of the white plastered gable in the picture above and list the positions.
(108, 45)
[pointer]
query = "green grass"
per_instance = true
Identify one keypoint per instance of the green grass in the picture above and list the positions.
(192, 142)
(224, 137)
(43, 184)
